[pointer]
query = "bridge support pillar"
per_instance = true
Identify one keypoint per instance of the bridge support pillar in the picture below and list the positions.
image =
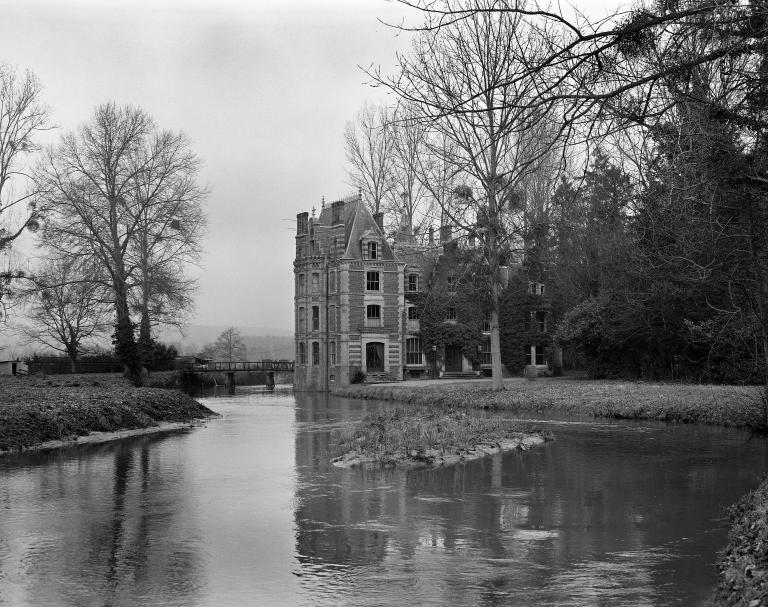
(230, 382)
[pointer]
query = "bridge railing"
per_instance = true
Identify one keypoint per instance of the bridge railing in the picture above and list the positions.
(232, 366)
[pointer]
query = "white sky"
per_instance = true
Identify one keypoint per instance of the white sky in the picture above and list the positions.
(263, 90)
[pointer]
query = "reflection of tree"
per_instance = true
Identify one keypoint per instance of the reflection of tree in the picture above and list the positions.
(117, 532)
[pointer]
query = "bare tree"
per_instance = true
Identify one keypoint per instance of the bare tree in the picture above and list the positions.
(112, 190)
(66, 308)
(169, 228)
(229, 345)
(408, 197)
(462, 80)
(22, 116)
(369, 147)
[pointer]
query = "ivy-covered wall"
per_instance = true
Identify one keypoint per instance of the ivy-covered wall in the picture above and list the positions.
(518, 326)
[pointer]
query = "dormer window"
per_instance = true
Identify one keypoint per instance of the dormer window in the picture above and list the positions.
(536, 288)
(373, 250)
(413, 282)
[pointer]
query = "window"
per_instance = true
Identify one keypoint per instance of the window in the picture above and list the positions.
(302, 289)
(373, 312)
(372, 281)
(413, 313)
(332, 352)
(332, 318)
(450, 313)
(302, 354)
(451, 281)
(315, 353)
(541, 321)
(485, 352)
(312, 247)
(315, 283)
(486, 324)
(315, 318)
(540, 356)
(535, 288)
(413, 353)
(372, 250)
(333, 282)
(302, 321)
(413, 282)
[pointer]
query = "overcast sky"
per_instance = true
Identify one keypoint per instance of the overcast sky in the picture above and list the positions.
(263, 90)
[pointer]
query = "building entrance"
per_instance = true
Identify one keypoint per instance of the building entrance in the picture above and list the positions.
(453, 359)
(374, 357)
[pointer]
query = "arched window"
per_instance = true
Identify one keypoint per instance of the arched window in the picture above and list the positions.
(302, 354)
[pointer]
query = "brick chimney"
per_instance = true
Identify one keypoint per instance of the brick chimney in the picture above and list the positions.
(445, 234)
(379, 219)
(431, 236)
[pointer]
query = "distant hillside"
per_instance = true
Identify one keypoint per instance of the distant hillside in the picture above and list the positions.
(260, 342)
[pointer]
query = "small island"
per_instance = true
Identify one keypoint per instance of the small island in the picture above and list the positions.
(428, 437)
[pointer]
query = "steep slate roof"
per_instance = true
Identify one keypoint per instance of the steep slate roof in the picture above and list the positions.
(359, 223)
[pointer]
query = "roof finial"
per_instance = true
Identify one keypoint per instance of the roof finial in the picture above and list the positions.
(359, 193)
(313, 212)
(322, 202)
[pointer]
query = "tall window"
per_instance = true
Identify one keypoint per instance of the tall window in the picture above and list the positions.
(332, 318)
(413, 313)
(486, 324)
(450, 313)
(372, 281)
(302, 354)
(541, 321)
(302, 288)
(312, 247)
(333, 282)
(413, 353)
(302, 320)
(315, 318)
(315, 353)
(332, 352)
(451, 282)
(372, 250)
(413, 282)
(315, 283)
(540, 360)
(485, 352)
(373, 315)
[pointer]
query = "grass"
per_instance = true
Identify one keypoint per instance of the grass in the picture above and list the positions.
(743, 565)
(36, 409)
(419, 435)
(684, 403)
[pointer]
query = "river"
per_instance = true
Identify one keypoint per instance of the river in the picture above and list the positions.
(248, 511)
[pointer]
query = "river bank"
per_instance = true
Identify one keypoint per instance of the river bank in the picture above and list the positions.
(52, 411)
(735, 406)
(409, 438)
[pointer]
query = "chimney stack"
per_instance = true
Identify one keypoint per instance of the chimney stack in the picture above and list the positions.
(445, 234)
(379, 219)
(431, 236)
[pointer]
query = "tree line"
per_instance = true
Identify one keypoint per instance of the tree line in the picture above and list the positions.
(621, 162)
(118, 212)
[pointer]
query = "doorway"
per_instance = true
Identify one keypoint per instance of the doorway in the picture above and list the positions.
(453, 359)
(374, 357)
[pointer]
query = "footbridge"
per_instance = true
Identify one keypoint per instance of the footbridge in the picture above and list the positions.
(261, 372)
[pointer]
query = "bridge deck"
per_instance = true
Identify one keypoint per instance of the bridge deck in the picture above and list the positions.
(244, 366)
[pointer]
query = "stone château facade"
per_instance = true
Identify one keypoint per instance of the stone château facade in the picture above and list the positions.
(354, 310)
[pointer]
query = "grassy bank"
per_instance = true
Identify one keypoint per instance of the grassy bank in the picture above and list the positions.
(427, 436)
(685, 403)
(743, 566)
(34, 410)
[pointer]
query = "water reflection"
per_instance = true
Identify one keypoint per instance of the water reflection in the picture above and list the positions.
(93, 525)
(607, 515)
(250, 511)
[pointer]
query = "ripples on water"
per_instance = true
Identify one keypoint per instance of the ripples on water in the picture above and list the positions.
(249, 511)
